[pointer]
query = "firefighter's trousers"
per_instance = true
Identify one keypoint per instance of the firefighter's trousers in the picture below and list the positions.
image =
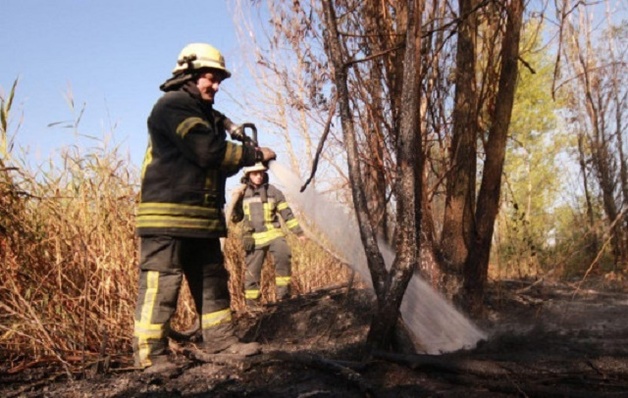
(163, 262)
(282, 257)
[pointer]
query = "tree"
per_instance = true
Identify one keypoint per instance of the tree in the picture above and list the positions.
(597, 102)
(476, 264)
(367, 45)
(389, 285)
(458, 218)
(531, 176)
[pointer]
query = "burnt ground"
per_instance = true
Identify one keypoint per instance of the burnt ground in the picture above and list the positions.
(547, 339)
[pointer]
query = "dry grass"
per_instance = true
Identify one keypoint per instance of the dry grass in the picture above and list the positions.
(69, 255)
(312, 268)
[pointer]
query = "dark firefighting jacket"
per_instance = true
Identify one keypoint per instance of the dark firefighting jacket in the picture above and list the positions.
(261, 207)
(185, 168)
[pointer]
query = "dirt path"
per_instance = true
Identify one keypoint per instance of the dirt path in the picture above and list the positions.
(544, 342)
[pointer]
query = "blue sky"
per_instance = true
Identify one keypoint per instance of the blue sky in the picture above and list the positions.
(111, 55)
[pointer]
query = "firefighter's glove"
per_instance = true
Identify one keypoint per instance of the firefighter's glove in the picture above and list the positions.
(248, 141)
(249, 243)
(264, 154)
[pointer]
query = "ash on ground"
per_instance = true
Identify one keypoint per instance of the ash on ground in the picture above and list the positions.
(546, 339)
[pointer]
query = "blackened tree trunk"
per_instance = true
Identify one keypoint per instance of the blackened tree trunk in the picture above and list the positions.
(389, 285)
(460, 201)
(338, 57)
(408, 189)
(476, 266)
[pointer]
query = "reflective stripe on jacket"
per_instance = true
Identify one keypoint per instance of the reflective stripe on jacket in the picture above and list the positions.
(261, 213)
(187, 162)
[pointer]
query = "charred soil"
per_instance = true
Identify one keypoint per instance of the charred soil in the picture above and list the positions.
(546, 339)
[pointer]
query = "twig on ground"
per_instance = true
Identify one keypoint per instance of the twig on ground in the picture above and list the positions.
(343, 369)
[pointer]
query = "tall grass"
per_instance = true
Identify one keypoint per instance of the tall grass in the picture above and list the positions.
(312, 268)
(69, 259)
(69, 256)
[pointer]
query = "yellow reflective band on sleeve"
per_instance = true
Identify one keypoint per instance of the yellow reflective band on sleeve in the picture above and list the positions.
(185, 126)
(251, 294)
(215, 318)
(233, 154)
(281, 281)
(282, 206)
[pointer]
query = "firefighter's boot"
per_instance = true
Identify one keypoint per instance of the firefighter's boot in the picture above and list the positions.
(162, 367)
(221, 339)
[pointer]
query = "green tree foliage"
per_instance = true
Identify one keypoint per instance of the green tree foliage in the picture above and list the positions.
(532, 177)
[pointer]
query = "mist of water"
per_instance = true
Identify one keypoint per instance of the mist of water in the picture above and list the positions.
(435, 323)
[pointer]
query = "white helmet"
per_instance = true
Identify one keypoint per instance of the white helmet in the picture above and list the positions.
(198, 56)
(259, 166)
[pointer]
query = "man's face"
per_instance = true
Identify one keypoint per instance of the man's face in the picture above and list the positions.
(208, 85)
(256, 177)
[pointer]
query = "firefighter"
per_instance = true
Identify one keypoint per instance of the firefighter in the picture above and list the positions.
(180, 217)
(259, 207)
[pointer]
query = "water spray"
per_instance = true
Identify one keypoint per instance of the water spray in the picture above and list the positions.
(435, 322)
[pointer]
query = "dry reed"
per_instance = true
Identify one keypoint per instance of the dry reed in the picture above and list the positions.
(69, 255)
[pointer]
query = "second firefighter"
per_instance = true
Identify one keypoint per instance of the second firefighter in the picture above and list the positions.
(259, 206)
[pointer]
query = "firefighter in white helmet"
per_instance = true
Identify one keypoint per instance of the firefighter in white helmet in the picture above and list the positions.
(180, 216)
(259, 207)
